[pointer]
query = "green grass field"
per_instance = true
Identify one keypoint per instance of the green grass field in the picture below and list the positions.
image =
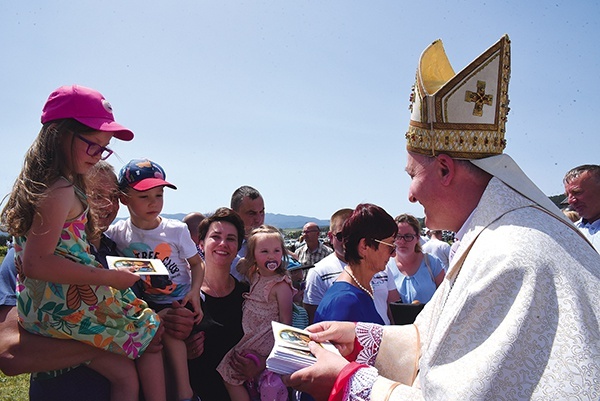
(13, 388)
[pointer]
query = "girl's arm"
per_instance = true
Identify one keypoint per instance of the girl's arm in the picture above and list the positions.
(193, 296)
(40, 262)
(283, 295)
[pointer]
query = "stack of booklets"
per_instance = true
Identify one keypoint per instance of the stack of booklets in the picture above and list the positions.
(290, 352)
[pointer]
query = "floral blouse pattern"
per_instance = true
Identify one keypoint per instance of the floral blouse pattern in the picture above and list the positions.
(98, 315)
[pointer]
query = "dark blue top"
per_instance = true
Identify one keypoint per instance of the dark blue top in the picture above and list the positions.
(344, 302)
(8, 280)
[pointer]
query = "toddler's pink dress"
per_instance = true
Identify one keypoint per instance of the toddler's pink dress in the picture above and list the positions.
(257, 314)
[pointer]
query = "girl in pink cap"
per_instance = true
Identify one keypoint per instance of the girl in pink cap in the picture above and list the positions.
(63, 292)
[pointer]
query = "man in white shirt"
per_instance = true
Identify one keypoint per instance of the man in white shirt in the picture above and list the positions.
(436, 246)
(582, 187)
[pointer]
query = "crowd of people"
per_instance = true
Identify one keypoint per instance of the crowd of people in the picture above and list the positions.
(512, 304)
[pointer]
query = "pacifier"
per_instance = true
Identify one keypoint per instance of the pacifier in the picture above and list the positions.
(272, 265)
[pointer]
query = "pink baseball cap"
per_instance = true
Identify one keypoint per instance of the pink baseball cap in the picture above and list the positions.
(85, 105)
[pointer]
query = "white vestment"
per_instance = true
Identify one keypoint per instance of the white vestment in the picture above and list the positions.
(516, 318)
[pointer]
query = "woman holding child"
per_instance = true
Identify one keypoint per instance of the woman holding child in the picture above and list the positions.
(221, 237)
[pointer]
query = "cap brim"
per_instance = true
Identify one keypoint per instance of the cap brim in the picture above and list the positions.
(100, 124)
(150, 183)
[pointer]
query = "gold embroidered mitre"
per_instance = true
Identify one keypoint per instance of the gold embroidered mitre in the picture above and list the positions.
(462, 115)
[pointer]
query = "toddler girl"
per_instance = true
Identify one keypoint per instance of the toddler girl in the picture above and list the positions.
(63, 291)
(270, 298)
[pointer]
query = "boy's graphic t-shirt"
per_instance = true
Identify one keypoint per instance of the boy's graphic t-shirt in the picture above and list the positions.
(171, 243)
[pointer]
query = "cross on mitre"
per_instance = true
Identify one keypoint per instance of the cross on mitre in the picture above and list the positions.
(479, 98)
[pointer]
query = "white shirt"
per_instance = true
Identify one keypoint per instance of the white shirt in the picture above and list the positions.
(591, 231)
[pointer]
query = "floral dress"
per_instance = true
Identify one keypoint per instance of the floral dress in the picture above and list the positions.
(98, 315)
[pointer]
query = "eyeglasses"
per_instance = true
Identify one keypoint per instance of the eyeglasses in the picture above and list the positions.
(392, 246)
(338, 236)
(310, 231)
(405, 237)
(94, 149)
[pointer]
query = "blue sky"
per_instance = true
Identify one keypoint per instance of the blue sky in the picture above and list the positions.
(307, 101)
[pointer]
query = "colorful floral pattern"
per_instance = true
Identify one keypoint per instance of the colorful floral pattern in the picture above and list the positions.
(100, 316)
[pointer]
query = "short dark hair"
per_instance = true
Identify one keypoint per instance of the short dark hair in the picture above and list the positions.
(227, 215)
(239, 194)
(367, 221)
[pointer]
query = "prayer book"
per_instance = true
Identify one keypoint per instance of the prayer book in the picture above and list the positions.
(139, 266)
(290, 352)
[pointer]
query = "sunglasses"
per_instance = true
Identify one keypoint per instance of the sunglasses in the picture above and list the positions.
(392, 246)
(94, 149)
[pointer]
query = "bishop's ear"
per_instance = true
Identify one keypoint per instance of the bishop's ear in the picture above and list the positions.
(446, 166)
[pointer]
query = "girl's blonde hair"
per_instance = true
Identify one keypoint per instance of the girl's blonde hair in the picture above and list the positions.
(44, 163)
(247, 265)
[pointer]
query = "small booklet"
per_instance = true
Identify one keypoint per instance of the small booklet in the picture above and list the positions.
(138, 266)
(290, 352)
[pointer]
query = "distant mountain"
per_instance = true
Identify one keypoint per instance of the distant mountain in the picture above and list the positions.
(278, 220)
(285, 221)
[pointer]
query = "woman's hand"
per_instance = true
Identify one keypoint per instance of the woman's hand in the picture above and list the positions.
(318, 379)
(340, 334)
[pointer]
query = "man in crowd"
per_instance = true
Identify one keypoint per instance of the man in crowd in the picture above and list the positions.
(193, 220)
(326, 271)
(582, 187)
(436, 246)
(313, 250)
(249, 204)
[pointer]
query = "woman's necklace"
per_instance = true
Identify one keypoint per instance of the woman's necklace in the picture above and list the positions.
(214, 290)
(359, 284)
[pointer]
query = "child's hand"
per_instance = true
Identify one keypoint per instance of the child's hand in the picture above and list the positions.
(122, 279)
(247, 368)
(194, 300)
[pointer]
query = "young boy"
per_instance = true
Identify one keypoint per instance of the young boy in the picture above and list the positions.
(147, 235)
